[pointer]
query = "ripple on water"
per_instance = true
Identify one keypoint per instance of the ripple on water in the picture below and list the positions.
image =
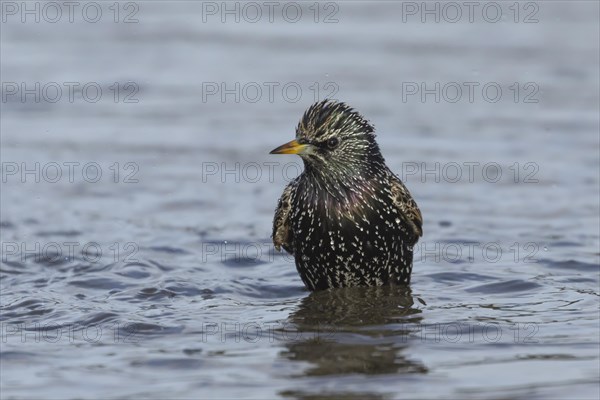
(25, 309)
(99, 284)
(135, 271)
(168, 250)
(6, 225)
(570, 265)
(51, 257)
(15, 267)
(565, 243)
(80, 268)
(188, 289)
(98, 318)
(65, 233)
(170, 363)
(154, 294)
(271, 291)
(242, 262)
(515, 285)
(140, 270)
(16, 356)
(459, 277)
(30, 304)
(148, 329)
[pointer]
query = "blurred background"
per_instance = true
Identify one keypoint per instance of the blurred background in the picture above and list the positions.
(138, 193)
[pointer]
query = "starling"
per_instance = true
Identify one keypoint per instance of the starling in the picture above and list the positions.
(347, 219)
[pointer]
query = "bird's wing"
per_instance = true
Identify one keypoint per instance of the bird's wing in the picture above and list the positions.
(282, 233)
(408, 208)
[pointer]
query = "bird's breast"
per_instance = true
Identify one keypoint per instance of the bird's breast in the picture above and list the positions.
(355, 217)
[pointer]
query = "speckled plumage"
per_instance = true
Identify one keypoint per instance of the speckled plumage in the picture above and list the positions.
(347, 219)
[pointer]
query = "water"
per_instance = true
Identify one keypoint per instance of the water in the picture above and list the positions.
(158, 279)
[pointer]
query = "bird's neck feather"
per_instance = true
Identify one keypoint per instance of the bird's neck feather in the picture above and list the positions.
(344, 182)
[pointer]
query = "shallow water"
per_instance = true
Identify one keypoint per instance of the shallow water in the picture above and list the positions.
(157, 279)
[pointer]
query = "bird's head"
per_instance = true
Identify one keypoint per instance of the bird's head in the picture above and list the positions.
(334, 140)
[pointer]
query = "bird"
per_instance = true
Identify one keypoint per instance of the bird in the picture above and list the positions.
(347, 219)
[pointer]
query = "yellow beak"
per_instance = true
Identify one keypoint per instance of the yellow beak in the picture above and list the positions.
(292, 147)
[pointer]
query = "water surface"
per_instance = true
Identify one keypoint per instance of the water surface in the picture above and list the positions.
(172, 288)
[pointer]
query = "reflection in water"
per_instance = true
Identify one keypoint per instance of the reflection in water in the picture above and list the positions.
(353, 331)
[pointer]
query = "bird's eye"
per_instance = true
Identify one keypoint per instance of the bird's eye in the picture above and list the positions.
(332, 143)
